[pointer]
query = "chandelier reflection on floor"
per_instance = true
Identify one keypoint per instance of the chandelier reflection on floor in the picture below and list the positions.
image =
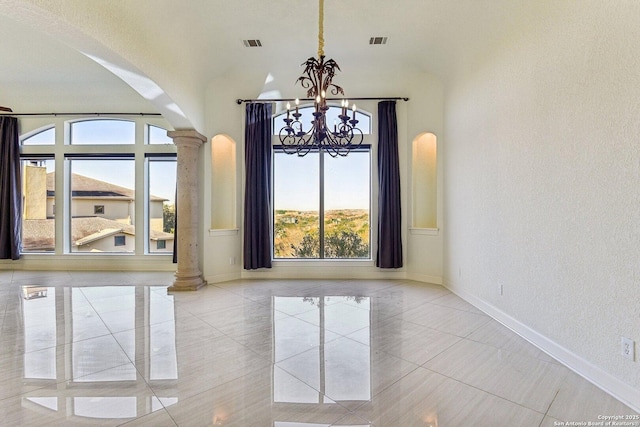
(317, 79)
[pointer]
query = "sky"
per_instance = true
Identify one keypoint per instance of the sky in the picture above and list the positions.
(119, 172)
(347, 181)
(296, 179)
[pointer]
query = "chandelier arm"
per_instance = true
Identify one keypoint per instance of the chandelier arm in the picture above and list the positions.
(335, 147)
(317, 78)
(293, 141)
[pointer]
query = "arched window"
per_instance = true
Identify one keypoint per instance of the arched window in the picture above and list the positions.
(103, 132)
(114, 195)
(45, 136)
(157, 135)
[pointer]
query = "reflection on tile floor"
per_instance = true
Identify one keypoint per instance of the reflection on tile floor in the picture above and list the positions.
(115, 349)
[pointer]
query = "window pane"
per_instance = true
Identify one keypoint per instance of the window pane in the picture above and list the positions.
(39, 315)
(46, 137)
(91, 360)
(342, 381)
(162, 210)
(346, 206)
(108, 184)
(162, 336)
(296, 203)
(157, 135)
(38, 188)
(364, 121)
(288, 338)
(102, 132)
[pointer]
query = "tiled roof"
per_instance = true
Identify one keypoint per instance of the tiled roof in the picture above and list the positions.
(39, 233)
(83, 186)
(85, 230)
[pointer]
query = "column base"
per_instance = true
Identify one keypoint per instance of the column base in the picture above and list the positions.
(192, 283)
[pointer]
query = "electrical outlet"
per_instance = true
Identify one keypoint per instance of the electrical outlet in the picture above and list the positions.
(500, 290)
(232, 260)
(628, 348)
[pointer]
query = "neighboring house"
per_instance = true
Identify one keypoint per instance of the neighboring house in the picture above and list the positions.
(102, 215)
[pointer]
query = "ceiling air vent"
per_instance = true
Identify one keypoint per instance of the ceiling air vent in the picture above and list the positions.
(252, 43)
(378, 40)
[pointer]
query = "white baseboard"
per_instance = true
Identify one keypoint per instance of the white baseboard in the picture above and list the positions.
(323, 273)
(610, 384)
(219, 278)
(436, 280)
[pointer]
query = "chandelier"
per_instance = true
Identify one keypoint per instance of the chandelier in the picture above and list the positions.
(317, 79)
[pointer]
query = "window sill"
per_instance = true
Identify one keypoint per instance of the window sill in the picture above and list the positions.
(93, 254)
(223, 232)
(322, 262)
(424, 231)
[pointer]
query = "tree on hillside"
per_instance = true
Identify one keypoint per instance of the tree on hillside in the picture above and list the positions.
(345, 244)
(308, 248)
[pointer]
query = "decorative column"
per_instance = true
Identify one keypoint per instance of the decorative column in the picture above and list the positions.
(188, 275)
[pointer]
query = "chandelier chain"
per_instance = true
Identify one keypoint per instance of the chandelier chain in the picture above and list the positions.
(318, 75)
(321, 29)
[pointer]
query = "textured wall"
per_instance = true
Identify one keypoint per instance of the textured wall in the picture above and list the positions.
(542, 179)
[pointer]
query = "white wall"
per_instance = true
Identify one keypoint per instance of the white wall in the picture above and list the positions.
(542, 179)
(425, 113)
(117, 210)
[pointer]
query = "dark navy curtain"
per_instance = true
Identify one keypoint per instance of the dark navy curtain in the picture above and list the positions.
(10, 189)
(389, 212)
(257, 195)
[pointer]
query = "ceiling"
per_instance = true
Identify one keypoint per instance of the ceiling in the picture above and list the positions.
(182, 46)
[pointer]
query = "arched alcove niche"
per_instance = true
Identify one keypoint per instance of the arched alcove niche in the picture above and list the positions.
(223, 183)
(424, 181)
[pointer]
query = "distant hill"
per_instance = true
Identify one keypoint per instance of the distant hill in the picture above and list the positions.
(291, 227)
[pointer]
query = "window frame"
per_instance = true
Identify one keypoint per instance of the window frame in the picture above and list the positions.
(63, 151)
(24, 160)
(149, 159)
(368, 145)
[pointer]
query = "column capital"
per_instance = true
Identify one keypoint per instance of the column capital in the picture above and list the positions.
(187, 136)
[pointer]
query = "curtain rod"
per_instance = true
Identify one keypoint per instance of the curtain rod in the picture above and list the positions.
(386, 98)
(78, 114)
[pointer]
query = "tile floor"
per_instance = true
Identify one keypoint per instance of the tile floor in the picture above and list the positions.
(80, 348)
